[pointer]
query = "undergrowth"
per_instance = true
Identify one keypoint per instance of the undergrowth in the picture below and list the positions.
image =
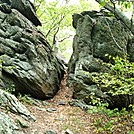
(119, 81)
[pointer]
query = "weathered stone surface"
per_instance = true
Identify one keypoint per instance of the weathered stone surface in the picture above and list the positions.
(79, 103)
(130, 49)
(50, 132)
(97, 34)
(28, 60)
(51, 110)
(25, 7)
(10, 102)
(7, 125)
(21, 122)
(37, 102)
(68, 131)
(61, 102)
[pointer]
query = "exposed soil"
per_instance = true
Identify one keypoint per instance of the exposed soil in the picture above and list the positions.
(73, 118)
(58, 116)
(65, 116)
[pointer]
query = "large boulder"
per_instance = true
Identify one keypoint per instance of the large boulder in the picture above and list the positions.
(27, 61)
(97, 34)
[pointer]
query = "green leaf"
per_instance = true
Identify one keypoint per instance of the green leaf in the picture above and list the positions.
(102, 3)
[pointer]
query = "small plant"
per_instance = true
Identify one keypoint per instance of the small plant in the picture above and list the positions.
(132, 115)
(102, 126)
(24, 99)
(112, 120)
(10, 88)
(7, 109)
(98, 105)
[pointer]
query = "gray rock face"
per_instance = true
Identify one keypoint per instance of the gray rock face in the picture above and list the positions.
(50, 132)
(97, 34)
(11, 103)
(27, 59)
(7, 125)
(25, 7)
(131, 49)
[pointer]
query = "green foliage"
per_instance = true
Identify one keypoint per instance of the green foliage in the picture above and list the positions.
(7, 109)
(120, 78)
(56, 18)
(116, 121)
(24, 99)
(111, 120)
(103, 127)
(124, 4)
(132, 115)
(1, 61)
(10, 88)
(103, 2)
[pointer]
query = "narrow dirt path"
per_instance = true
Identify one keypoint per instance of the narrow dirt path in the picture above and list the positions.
(59, 116)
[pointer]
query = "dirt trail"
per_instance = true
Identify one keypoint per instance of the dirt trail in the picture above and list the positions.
(59, 115)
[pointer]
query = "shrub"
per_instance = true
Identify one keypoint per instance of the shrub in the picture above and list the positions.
(119, 80)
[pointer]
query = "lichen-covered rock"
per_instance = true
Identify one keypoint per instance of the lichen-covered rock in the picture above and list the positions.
(7, 125)
(28, 61)
(97, 35)
(10, 102)
(25, 7)
(130, 49)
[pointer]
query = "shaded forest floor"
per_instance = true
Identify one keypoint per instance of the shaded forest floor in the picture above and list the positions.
(58, 116)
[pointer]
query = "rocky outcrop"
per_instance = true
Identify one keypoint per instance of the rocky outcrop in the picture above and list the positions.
(11, 103)
(25, 7)
(97, 34)
(28, 64)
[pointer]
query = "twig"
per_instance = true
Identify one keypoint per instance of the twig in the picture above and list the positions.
(65, 38)
(54, 25)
